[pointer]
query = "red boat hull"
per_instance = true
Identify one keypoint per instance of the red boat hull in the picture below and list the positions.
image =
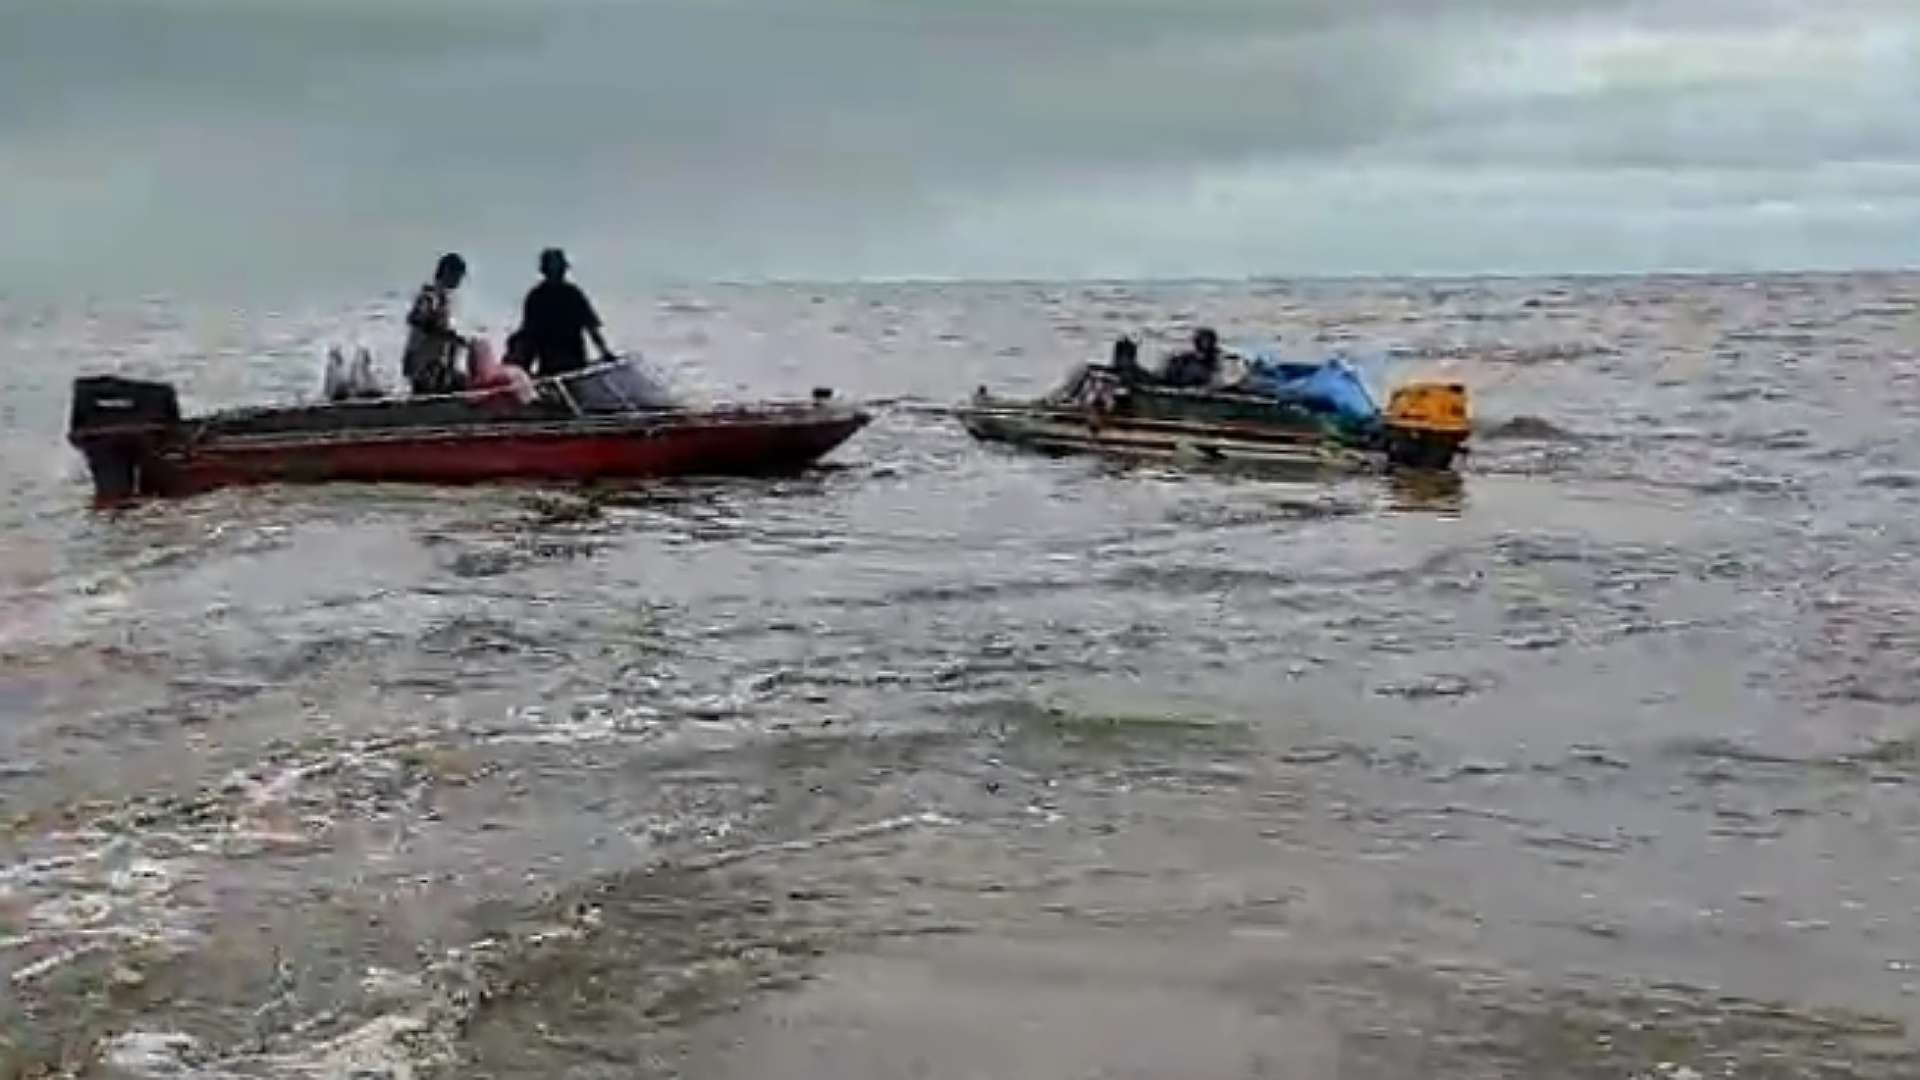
(678, 443)
(741, 448)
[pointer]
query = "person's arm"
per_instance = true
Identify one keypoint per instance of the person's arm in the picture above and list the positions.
(605, 353)
(591, 320)
(429, 313)
(423, 314)
(527, 360)
(460, 340)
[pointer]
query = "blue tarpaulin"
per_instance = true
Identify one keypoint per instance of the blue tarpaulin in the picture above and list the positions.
(1331, 386)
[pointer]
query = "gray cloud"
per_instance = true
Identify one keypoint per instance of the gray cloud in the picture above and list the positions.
(166, 142)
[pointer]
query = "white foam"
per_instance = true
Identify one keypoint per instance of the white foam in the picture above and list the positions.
(150, 1053)
(49, 964)
(394, 1047)
(387, 984)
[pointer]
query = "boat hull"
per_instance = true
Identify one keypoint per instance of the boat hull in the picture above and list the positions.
(1059, 431)
(1424, 428)
(669, 450)
(437, 442)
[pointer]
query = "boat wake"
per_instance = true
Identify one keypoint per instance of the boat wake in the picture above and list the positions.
(1526, 428)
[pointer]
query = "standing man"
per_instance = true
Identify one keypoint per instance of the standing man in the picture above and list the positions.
(432, 341)
(554, 323)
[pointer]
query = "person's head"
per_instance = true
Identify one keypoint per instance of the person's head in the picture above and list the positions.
(1205, 341)
(1125, 351)
(451, 271)
(553, 264)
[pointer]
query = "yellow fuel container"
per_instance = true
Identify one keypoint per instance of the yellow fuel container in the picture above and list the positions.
(1427, 424)
(1437, 407)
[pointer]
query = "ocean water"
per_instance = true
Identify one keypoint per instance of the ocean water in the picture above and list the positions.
(944, 760)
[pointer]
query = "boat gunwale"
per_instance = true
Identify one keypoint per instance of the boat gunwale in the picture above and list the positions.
(1305, 453)
(1080, 417)
(1320, 453)
(202, 435)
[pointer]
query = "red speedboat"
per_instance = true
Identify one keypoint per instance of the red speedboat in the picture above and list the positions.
(589, 425)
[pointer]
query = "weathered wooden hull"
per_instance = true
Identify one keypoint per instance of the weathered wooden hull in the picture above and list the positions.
(1210, 427)
(1066, 431)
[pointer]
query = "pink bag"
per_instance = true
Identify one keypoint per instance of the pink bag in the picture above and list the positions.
(490, 379)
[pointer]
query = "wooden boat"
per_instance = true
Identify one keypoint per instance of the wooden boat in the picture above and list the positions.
(1424, 426)
(581, 427)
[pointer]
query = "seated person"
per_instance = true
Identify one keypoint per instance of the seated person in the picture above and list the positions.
(1196, 367)
(1126, 363)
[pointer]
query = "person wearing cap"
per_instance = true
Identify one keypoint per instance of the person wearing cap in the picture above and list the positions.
(432, 341)
(555, 322)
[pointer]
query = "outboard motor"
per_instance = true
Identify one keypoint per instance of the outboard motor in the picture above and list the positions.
(1427, 424)
(121, 425)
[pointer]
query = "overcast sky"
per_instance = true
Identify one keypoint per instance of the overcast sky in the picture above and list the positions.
(152, 144)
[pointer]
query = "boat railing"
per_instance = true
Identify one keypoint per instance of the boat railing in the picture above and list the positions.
(617, 385)
(566, 397)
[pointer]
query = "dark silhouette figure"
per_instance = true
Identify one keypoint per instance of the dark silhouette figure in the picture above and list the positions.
(1198, 365)
(555, 322)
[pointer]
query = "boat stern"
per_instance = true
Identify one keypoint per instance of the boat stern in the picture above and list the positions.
(1427, 424)
(121, 426)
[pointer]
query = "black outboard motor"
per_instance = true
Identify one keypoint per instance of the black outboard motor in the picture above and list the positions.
(121, 425)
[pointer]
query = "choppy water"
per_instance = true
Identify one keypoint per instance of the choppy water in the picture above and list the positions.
(947, 761)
